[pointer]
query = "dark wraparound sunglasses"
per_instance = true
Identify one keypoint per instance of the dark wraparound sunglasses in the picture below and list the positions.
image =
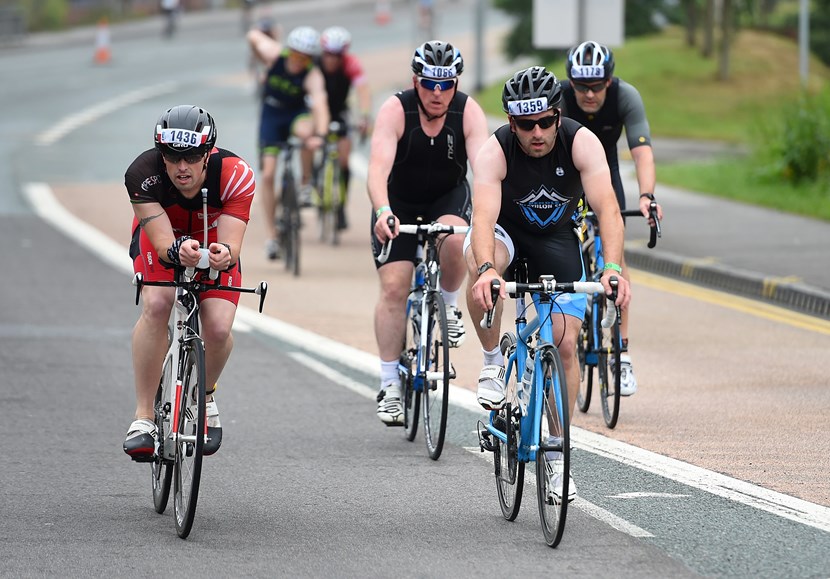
(189, 158)
(430, 84)
(529, 124)
(595, 87)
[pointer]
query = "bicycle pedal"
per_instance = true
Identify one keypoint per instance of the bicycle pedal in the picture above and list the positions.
(394, 424)
(485, 442)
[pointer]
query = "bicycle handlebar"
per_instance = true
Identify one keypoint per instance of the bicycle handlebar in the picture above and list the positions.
(194, 285)
(548, 285)
(656, 231)
(430, 229)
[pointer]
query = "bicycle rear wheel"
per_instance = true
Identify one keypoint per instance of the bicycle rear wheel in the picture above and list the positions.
(608, 367)
(437, 379)
(411, 397)
(291, 225)
(553, 457)
(585, 354)
(510, 472)
(191, 430)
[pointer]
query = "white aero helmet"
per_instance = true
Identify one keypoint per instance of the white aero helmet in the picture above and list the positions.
(335, 39)
(304, 39)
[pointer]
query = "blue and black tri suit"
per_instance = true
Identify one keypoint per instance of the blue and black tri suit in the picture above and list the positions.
(539, 199)
(429, 175)
(283, 100)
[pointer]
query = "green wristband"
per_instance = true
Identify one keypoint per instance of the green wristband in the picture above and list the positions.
(381, 210)
(611, 265)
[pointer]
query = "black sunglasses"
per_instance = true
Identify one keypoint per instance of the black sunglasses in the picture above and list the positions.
(544, 122)
(595, 87)
(189, 158)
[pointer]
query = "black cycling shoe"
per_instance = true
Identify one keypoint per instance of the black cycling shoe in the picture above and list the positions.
(141, 441)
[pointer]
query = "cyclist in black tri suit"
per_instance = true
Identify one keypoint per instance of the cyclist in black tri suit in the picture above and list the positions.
(605, 104)
(422, 139)
(529, 178)
(294, 88)
(342, 71)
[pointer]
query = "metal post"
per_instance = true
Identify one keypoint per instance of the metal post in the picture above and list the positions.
(479, 45)
(804, 40)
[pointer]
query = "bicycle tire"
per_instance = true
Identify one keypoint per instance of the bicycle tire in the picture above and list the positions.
(411, 397)
(162, 469)
(553, 454)
(608, 367)
(509, 471)
(192, 423)
(330, 201)
(436, 391)
(584, 351)
(291, 224)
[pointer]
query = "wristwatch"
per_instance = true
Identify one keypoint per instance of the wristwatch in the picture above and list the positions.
(484, 267)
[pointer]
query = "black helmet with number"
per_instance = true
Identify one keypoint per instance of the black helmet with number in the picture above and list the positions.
(437, 59)
(185, 129)
(590, 61)
(532, 83)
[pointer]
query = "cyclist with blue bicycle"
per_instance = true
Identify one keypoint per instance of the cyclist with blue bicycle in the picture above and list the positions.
(165, 185)
(418, 169)
(294, 102)
(529, 178)
(605, 105)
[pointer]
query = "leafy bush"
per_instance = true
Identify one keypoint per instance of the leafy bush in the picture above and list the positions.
(796, 146)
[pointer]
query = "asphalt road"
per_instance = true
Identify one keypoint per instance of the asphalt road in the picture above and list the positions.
(308, 483)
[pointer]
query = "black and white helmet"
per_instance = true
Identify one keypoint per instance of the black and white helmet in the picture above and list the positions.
(590, 62)
(185, 129)
(304, 39)
(437, 59)
(530, 91)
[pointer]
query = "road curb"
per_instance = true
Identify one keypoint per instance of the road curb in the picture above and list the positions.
(778, 290)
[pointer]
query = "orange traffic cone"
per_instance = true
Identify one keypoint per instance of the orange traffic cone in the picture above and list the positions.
(102, 42)
(383, 13)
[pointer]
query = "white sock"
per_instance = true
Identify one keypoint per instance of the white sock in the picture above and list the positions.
(388, 373)
(450, 298)
(494, 357)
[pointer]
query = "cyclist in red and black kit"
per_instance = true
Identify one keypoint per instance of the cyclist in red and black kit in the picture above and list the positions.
(164, 185)
(605, 105)
(343, 71)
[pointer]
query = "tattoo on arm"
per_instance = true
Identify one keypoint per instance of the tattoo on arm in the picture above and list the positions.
(146, 220)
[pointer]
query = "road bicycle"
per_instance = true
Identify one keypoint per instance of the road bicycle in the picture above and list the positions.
(534, 424)
(331, 193)
(600, 348)
(289, 222)
(424, 366)
(180, 405)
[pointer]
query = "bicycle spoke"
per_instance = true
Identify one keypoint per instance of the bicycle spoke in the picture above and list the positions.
(437, 381)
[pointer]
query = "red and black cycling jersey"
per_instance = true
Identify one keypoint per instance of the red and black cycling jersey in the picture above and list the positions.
(230, 183)
(340, 82)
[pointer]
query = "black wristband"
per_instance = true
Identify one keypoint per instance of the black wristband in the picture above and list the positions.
(649, 196)
(173, 250)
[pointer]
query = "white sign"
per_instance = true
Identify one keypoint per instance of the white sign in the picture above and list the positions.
(566, 23)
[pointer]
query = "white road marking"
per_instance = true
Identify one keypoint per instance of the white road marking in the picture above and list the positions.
(647, 495)
(817, 516)
(90, 114)
(586, 507)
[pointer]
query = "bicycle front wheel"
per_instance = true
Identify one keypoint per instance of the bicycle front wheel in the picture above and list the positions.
(162, 470)
(330, 201)
(554, 455)
(510, 472)
(585, 354)
(191, 429)
(609, 368)
(406, 366)
(437, 380)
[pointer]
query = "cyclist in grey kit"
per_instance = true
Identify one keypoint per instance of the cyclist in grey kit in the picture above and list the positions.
(605, 104)
(418, 168)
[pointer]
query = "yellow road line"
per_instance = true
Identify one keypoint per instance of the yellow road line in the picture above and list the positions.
(741, 304)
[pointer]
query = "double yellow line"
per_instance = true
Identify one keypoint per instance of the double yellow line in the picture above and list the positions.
(741, 304)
